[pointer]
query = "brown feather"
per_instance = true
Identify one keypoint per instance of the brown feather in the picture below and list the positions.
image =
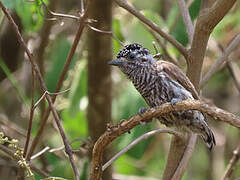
(177, 74)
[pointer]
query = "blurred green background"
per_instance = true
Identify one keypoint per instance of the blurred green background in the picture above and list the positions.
(148, 158)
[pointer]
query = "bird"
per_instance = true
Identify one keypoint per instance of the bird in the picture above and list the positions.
(159, 82)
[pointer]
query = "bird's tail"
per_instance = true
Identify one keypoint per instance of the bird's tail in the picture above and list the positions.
(208, 136)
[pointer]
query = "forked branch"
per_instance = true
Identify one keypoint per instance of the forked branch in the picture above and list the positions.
(125, 126)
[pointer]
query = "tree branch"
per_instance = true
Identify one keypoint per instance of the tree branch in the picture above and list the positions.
(232, 163)
(32, 166)
(235, 42)
(44, 87)
(136, 141)
(186, 19)
(125, 126)
(60, 80)
(206, 22)
(153, 26)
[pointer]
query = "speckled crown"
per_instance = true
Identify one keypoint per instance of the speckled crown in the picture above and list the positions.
(133, 47)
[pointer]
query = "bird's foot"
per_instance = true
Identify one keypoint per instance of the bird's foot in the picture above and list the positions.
(174, 101)
(142, 110)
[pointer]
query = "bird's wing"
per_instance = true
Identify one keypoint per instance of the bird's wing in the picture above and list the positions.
(176, 74)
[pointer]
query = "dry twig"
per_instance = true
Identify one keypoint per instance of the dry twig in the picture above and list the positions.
(142, 18)
(235, 42)
(61, 79)
(43, 85)
(136, 141)
(232, 163)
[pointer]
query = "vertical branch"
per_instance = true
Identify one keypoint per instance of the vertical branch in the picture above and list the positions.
(180, 152)
(186, 19)
(31, 116)
(99, 74)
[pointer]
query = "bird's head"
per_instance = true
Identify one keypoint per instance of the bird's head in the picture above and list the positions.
(133, 56)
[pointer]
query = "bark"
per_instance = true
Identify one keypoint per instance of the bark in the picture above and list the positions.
(99, 79)
(209, 17)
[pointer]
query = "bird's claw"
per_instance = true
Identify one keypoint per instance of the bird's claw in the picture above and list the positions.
(142, 110)
(174, 101)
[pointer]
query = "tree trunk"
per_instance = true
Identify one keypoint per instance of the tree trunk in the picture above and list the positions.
(99, 80)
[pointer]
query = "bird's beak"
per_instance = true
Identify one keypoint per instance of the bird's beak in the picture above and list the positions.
(116, 62)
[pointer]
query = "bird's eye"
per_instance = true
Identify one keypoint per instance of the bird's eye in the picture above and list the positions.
(144, 59)
(132, 55)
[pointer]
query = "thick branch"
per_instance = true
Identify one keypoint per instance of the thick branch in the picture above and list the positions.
(206, 22)
(125, 126)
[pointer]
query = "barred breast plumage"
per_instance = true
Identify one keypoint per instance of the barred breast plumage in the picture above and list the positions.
(159, 82)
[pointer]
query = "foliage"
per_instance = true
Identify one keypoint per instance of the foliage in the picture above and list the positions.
(148, 157)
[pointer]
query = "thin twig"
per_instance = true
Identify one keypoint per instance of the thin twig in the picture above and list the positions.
(186, 19)
(59, 14)
(232, 163)
(12, 126)
(142, 18)
(155, 47)
(117, 130)
(82, 6)
(40, 153)
(173, 25)
(31, 116)
(136, 141)
(40, 99)
(235, 42)
(234, 74)
(167, 55)
(47, 149)
(47, 92)
(106, 32)
(32, 166)
(231, 69)
(43, 85)
(61, 79)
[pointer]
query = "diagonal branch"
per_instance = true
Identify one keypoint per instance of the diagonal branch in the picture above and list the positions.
(32, 166)
(186, 19)
(125, 126)
(206, 22)
(60, 80)
(44, 87)
(232, 163)
(139, 139)
(153, 26)
(231, 47)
